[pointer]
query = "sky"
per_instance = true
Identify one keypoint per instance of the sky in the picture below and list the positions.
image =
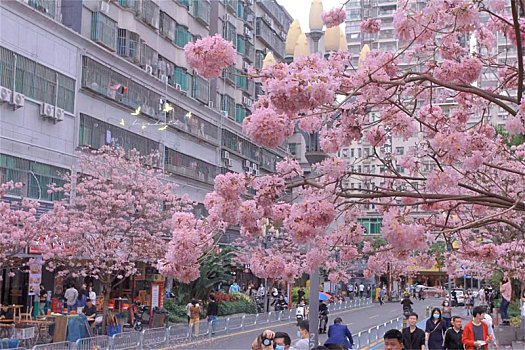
(300, 9)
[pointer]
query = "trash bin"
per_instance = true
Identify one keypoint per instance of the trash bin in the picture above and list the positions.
(159, 317)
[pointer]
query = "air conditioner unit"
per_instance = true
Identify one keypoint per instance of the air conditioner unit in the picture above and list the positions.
(148, 69)
(164, 78)
(225, 155)
(255, 166)
(227, 162)
(17, 100)
(225, 113)
(211, 104)
(104, 7)
(178, 87)
(5, 95)
(247, 101)
(228, 18)
(256, 172)
(246, 164)
(47, 110)
(246, 65)
(59, 114)
(248, 32)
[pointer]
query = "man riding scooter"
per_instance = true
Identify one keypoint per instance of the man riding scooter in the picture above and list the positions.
(407, 308)
(323, 316)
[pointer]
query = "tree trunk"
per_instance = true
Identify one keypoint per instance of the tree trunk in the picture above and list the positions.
(107, 292)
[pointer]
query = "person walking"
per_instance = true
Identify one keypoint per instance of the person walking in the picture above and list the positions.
(339, 334)
(413, 337)
(361, 289)
(505, 288)
(300, 293)
(212, 312)
(476, 333)
(323, 317)
(42, 295)
(453, 335)
(381, 296)
(194, 316)
(435, 327)
(188, 312)
(351, 290)
(447, 314)
(71, 296)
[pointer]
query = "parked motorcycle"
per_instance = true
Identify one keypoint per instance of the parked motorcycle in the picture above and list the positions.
(139, 315)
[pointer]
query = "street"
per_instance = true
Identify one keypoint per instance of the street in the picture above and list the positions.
(357, 320)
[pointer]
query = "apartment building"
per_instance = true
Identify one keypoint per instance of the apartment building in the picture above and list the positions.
(96, 72)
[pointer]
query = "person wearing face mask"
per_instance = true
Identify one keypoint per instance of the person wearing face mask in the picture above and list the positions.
(447, 314)
(435, 328)
(303, 333)
(270, 340)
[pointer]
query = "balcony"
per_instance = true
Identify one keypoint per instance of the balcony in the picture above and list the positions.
(193, 168)
(266, 34)
(201, 11)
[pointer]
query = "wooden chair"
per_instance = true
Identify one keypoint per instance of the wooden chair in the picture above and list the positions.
(27, 315)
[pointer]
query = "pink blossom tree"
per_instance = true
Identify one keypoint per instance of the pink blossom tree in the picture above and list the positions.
(118, 209)
(462, 180)
(19, 227)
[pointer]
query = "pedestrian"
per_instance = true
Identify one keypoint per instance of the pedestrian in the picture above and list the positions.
(421, 294)
(413, 337)
(303, 333)
(454, 296)
(368, 291)
(188, 312)
(71, 296)
(83, 295)
(300, 293)
(281, 304)
(453, 335)
(339, 334)
(212, 313)
(6, 314)
(447, 314)
(476, 333)
(381, 296)
(481, 294)
(393, 339)
(505, 288)
(92, 294)
(323, 316)
(194, 316)
(42, 295)
(361, 289)
(487, 319)
(435, 327)
(234, 288)
(351, 290)
(269, 340)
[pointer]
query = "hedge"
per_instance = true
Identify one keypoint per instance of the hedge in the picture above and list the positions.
(177, 313)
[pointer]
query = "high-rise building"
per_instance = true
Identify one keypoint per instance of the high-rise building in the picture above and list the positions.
(97, 72)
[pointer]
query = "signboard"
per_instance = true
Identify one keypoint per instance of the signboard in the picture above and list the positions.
(35, 276)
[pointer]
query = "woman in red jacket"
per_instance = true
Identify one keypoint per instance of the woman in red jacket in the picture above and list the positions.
(476, 333)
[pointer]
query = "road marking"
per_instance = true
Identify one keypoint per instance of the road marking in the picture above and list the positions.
(373, 345)
(252, 330)
(373, 316)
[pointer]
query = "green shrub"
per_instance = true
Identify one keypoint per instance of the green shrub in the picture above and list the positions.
(295, 295)
(177, 313)
(237, 307)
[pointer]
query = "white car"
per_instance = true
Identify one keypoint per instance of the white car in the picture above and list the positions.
(460, 295)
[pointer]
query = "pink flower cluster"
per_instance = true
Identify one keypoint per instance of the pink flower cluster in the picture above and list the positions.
(267, 127)
(467, 71)
(289, 168)
(210, 55)
(371, 25)
(334, 17)
(309, 218)
(402, 234)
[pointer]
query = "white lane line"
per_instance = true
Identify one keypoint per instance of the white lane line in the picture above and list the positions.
(373, 316)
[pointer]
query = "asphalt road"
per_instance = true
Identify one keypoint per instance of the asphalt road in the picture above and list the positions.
(357, 320)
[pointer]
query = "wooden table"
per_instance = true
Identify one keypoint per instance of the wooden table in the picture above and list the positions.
(16, 308)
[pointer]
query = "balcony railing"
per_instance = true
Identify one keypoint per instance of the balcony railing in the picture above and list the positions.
(201, 10)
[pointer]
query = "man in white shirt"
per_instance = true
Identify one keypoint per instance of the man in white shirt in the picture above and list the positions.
(361, 289)
(188, 312)
(488, 321)
(71, 296)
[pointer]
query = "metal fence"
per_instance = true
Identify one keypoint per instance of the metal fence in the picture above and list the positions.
(181, 333)
(368, 336)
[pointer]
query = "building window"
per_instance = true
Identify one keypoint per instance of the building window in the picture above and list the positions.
(240, 145)
(35, 176)
(242, 82)
(150, 13)
(201, 9)
(240, 113)
(229, 75)
(228, 105)
(352, 152)
(185, 165)
(200, 89)
(96, 133)
(182, 78)
(259, 58)
(292, 148)
(182, 35)
(36, 81)
(359, 153)
(101, 79)
(148, 56)
(193, 124)
(167, 26)
(229, 32)
(104, 30)
(372, 225)
(128, 44)
(400, 151)
(241, 44)
(186, 3)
